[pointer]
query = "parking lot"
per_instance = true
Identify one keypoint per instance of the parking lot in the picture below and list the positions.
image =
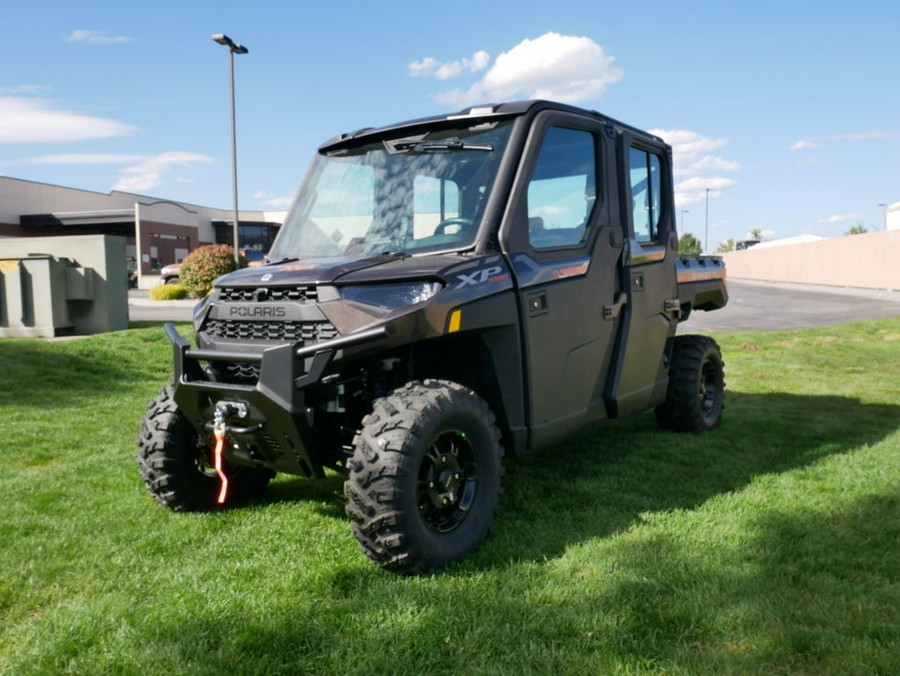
(764, 306)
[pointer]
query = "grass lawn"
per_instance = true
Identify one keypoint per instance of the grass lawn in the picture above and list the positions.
(769, 546)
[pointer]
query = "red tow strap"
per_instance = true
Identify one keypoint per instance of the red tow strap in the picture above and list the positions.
(219, 433)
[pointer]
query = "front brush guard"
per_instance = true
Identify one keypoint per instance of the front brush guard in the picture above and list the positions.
(276, 431)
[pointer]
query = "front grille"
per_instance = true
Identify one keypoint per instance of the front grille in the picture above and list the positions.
(304, 332)
(297, 294)
(239, 373)
(309, 332)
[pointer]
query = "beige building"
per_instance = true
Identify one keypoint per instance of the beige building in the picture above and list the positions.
(157, 231)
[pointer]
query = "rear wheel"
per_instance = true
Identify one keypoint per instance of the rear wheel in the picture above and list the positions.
(176, 463)
(696, 395)
(424, 477)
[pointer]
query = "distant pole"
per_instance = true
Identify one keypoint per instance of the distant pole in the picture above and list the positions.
(233, 48)
(683, 212)
(706, 235)
(885, 206)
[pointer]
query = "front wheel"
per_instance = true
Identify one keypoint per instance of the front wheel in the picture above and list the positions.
(176, 463)
(696, 394)
(424, 477)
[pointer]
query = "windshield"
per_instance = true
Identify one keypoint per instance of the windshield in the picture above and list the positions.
(407, 194)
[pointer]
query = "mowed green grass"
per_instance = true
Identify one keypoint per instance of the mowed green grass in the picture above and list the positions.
(769, 546)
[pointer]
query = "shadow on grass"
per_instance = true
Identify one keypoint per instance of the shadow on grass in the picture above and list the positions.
(327, 493)
(813, 592)
(601, 484)
(810, 591)
(41, 374)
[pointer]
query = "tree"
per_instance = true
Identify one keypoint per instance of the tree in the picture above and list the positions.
(726, 246)
(857, 229)
(688, 244)
(756, 234)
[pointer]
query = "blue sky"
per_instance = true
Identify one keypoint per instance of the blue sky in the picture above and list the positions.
(788, 111)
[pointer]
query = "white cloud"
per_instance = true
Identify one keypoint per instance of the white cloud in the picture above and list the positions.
(82, 158)
(867, 136)
(810, 144)
(22, 89)
(841, 218)
(35, 121)
(553, 66)
(91, 37)
(430, 67)
(692, 152)
(711, 163)
(692, 155)
(150, 172)
(694, 189)
(805, 144)
(268, 199)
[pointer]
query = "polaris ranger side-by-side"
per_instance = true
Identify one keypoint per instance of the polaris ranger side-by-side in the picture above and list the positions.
(442, 291)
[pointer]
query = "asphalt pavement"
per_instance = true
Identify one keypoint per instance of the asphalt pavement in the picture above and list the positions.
(752, 306)
(770, 306)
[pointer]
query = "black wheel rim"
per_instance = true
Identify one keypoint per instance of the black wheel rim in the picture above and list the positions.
(447, 482)
(709, 388)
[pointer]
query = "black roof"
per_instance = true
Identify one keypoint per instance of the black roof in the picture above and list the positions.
(485, 112)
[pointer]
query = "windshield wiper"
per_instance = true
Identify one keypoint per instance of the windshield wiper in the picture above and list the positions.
(438, 146)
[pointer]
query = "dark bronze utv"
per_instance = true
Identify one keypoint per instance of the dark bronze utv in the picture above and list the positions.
(442, 291)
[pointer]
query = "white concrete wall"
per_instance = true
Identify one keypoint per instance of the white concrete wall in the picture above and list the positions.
(92, 297)
(867, 261)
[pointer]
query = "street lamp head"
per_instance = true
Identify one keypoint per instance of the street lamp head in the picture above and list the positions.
(235, 48)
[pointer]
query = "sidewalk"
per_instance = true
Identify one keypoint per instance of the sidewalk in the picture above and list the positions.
(141, 297)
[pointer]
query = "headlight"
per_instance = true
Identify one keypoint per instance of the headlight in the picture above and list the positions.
(391, 296)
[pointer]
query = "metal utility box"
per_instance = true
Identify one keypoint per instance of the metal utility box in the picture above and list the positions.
(57, 286)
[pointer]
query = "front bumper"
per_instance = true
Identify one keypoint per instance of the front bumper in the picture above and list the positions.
(276, 430)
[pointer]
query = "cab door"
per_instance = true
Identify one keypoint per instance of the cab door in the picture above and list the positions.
(639, 377)
(564, 250)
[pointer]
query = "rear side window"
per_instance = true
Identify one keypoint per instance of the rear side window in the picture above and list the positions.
(645, 194)
(563, 189)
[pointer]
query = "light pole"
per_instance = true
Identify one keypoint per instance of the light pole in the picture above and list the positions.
(233, 48)
(706, 235)
(885, 207)
(683, 212)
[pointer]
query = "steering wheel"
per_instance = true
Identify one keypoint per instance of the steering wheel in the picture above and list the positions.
(462, 223)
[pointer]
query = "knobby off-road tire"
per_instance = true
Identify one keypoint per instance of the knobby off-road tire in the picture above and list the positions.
(424, 477)
(176, 464)
(696, 395)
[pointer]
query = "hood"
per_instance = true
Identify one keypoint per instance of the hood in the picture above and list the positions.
(382, 268)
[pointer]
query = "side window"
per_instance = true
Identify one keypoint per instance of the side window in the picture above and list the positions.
(434, 200)
(562, 190)
(645, 194)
